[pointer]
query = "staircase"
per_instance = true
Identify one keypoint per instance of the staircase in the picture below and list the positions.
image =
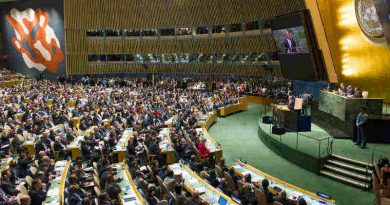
(349, 171)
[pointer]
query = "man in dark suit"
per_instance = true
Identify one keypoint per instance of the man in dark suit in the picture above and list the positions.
(289, 44)
(267, 193)
(361, 121)
(37, 192)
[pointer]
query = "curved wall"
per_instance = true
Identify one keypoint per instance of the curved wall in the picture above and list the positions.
(358, 60)
(129, 14)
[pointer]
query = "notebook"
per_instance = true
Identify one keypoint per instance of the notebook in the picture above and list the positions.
(222, 201)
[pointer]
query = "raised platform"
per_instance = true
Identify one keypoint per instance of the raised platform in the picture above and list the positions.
(308, 150)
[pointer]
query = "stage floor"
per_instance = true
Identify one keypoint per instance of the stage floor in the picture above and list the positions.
(238, 135)
(308, 142)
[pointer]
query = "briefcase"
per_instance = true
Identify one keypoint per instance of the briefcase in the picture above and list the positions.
(278, 130)
(267, 120)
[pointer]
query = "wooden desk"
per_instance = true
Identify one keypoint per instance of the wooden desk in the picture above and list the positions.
(345, 108)
(166, 146)
(30, 146)
(107, 122)
(192, 182)
(76, 122)
(30, 143)
(75, 146)
(130, 194)
(230, 109)
(121, 146)
(259, 100)
(55, 193)
(292, 191)
(340, 111)
(49, 102)
(285, 117)
(207, 120)
(4, 163)
(19, 116)
(72, 103)
(170, 122)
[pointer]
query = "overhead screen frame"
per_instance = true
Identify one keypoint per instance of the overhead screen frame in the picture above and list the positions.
(313, 61)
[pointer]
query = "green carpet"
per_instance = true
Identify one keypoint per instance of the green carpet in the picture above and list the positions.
(238, 137)
(314, 143)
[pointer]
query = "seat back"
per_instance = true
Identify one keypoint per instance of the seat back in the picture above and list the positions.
(22, 189)
(151, 172)
(33, 170)
(162, 185)
(29, 180)
(261, 199)
(219, 171)
(96, 180)
(375, 188)
(97, 191)
(230, 183)
(18, 197)
(378, 171)
(147, 153)
(175, 201)
(95, 165)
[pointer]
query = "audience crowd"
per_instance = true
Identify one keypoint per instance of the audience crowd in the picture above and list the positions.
(55, 114)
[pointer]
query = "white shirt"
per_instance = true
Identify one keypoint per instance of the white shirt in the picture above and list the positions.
(289, 43)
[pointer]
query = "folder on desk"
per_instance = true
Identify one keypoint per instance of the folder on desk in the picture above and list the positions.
(201, 190)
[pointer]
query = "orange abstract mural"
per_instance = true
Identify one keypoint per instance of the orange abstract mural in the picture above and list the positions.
(35, 39)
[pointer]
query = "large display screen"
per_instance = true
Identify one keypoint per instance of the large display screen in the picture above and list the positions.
(291, 40)
(294, 41)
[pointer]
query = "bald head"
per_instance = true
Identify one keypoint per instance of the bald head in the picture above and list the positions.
(195, 195)
(25, 200)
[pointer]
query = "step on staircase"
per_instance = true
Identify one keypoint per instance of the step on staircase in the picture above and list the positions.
(349, 171)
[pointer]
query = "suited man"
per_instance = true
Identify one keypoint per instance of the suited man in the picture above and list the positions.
(291, 102)
(70, 136)
(361, 121)
(37, 192)
(112, 187)
(290, 46)
(264, 189)
(59, 145)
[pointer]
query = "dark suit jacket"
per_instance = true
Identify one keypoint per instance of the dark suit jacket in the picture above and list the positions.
(37, 197)
(112, 189)
(74, 198)
(268, 195)
(287, 48)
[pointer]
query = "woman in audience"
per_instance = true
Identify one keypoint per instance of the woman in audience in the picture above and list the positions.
(385, 171)
(125, 103)
(203, 151)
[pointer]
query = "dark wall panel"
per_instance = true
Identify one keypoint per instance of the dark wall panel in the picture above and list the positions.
(81, 15)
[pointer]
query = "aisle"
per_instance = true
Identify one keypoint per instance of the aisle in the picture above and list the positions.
(238, 136)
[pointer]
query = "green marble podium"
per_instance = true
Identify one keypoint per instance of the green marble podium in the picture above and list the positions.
(343, 110)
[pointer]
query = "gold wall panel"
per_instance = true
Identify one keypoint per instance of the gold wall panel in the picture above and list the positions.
(358, 61)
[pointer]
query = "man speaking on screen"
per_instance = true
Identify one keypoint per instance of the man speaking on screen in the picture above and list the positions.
(289, 44)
